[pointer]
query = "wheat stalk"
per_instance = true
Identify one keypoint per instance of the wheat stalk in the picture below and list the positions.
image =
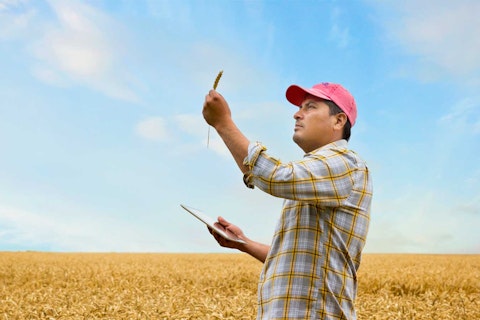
(217, 79)
(215, 84)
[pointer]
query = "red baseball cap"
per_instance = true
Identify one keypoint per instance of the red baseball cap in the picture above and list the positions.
(328, 91)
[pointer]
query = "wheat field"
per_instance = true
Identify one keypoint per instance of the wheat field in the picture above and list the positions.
(36, 285)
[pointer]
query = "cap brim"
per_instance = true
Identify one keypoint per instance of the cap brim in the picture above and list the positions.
(296, 94)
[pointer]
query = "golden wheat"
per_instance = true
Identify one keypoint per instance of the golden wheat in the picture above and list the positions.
(215, 84)
(217, 79)
(36, 285)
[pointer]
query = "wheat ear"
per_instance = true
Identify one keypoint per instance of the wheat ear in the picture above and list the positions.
(215, 84)
(217, 79)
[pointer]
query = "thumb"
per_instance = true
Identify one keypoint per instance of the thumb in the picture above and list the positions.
(223, 222)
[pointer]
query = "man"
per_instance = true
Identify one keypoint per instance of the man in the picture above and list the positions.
(310, 268)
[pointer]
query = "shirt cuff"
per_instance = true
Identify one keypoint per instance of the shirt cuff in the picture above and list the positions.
(254, 151)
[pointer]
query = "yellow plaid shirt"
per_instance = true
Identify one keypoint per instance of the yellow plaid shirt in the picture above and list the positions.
(311, 268)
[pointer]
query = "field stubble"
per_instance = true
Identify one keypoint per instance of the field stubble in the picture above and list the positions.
(35, 285)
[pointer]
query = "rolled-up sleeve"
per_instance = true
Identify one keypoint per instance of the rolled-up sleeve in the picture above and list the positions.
(254, 151)
(323, 177)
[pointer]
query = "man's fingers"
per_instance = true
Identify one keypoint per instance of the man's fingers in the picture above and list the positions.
(223, 222)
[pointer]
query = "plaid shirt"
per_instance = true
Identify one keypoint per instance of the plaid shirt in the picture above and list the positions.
(311, 268)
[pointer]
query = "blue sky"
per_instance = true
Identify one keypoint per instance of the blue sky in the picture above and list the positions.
(102, 137)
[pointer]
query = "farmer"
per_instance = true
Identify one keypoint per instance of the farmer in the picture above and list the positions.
(310, 268)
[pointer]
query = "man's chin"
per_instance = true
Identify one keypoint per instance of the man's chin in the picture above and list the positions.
(296, 139)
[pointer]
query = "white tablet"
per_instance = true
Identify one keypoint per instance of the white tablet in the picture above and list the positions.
(212, 224)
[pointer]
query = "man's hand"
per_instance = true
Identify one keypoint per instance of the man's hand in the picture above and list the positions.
(217, 114)
(216, 110)
(257, 250)
(229, 229)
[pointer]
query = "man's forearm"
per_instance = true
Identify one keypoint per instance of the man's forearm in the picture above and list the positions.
(236, 142)
(257, 250)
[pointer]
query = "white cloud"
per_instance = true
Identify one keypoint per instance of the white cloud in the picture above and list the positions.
(442, 34)
(338, 33)
(176, 13)
(15, 17)
(79, 45)
(50, 76)
(183, 128)
(429, 224)
(472, 207)
(463, 118)
(193, 124)
(20, 226)
(192, 133)
(196, 126)
(69, 231)
(153, 128)
(8, 4)
(241, 72)
(473, 180)
(216, 144)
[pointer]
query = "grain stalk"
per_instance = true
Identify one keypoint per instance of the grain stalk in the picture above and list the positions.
(215, 84)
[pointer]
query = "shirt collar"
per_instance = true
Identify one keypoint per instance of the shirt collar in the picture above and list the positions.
(339, 144)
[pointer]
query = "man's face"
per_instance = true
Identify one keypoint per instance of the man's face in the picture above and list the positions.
(314, 126)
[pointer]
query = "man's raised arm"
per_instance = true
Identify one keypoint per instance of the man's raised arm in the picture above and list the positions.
(217, 114)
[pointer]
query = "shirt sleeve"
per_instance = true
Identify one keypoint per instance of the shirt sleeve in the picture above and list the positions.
(254, 151)
(323, 178)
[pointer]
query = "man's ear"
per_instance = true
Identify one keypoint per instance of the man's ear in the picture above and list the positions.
(340, 120)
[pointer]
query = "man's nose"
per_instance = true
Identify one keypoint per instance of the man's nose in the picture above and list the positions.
(297, 115)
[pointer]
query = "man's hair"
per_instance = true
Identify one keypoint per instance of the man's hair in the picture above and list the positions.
(335, 109)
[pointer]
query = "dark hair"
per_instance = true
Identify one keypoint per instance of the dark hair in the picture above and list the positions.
(335, 109)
